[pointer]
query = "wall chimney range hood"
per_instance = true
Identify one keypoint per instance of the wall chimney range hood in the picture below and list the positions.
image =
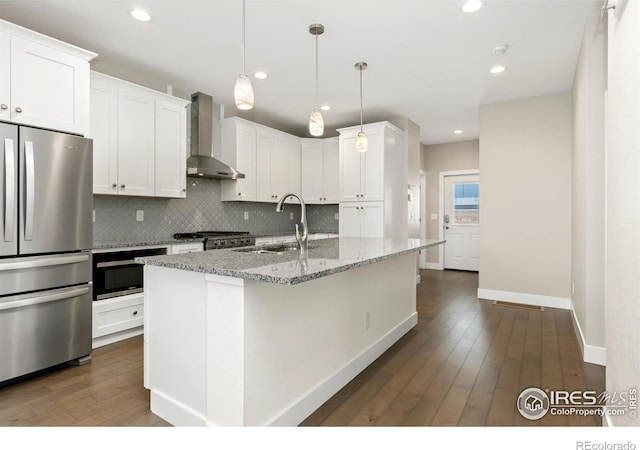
(205, 132)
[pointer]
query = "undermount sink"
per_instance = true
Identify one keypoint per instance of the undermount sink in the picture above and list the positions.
(276, 248)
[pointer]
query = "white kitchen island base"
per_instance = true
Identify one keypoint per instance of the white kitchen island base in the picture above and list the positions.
(226, 351)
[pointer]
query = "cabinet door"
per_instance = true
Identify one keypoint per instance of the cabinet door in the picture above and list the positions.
(136, 144)
(350, 169)
(372, 214)
(104, 132)
(295, 179)
(264, 153)
(171, 150)
(5, 77)
(311, 158)
(331, 170)
(372, 180)
(246, 162)
(48, 88)
(280, 168)
(350, 220)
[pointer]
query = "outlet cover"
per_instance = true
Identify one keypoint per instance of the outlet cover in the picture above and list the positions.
(246, 215)
(336, 215)
(290, 216)
(140, 215)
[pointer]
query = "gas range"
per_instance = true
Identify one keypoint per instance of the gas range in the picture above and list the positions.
(220, 239)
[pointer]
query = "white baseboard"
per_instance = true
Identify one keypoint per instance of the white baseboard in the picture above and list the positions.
(526, 299)
(312, 400)
(175, 412)
(434, 266)
(590, 353)
(115, 337)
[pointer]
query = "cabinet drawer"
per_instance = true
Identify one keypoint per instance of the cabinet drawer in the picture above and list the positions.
(111, 316)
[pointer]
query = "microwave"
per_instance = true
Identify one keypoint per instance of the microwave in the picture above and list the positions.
(116, 273)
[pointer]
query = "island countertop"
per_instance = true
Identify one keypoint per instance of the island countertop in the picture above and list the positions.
(325, 257)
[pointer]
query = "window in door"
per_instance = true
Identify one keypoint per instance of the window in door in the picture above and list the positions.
(466, 204)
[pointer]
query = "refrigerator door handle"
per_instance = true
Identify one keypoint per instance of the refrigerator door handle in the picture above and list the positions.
(30, 190)
(9, 189)
(46, 298)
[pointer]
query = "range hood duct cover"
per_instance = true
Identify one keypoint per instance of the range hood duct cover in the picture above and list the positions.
(201, 163)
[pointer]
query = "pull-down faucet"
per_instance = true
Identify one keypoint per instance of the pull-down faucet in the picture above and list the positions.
(301, 235)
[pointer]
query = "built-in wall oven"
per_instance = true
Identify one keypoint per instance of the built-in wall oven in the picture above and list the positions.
(117, 273)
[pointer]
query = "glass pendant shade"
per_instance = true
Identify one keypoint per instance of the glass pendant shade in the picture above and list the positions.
(362, 143)
(316, 123)
(243, 92)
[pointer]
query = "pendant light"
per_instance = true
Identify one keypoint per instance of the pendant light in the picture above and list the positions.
(243, 90)
(316, 122)
(361, 141)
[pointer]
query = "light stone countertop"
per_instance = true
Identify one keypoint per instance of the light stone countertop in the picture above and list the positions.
(325, 257)
(125, 243)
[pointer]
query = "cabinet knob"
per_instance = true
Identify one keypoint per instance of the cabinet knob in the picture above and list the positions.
(3, 106)
(114, 185)
(184, 189)
(18, 109)
(122, 186)
(135, 313)
(239, 193)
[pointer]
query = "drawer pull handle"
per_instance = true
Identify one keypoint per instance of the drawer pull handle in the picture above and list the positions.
(135, 313)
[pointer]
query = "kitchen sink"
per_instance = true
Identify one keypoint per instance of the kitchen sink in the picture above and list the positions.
(275, 248)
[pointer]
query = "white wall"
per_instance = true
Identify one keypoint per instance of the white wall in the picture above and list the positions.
(623, 203)
(443, 158)
(525, 216)
(588, 194)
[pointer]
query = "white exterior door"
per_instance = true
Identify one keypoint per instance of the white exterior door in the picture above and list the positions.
(462, 222)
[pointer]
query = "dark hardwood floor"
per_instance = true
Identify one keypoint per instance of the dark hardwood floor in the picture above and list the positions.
(464, 364)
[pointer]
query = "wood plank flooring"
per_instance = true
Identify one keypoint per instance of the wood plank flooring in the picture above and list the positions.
(464, 364)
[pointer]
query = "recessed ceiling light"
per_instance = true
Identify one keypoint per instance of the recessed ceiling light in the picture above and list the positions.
(140, 15)
(325, 107)
(457, 131)
(472, 6)
(497, 69)
(499, 49)
(260, 75)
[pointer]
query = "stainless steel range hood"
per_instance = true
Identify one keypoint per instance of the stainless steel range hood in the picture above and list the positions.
(205, 131)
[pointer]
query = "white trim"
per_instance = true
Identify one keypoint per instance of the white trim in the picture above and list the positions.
(422, 262)
(175, 412)
(526, 299)
(450, 173)
(418, 279)
(434, 266)
(590, 353)
(115, 337)
(299, 410)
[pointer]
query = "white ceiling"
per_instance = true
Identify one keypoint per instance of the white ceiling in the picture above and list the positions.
(427, 60)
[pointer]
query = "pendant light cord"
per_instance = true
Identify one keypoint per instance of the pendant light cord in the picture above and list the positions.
(360, 98)
(317, 96)
(244, 68)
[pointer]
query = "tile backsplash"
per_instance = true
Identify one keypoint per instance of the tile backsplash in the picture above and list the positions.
(115, 216)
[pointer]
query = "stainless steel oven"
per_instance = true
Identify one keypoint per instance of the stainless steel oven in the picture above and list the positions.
(117, 273)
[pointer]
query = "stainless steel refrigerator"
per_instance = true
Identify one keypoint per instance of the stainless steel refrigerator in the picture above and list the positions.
(46, 235)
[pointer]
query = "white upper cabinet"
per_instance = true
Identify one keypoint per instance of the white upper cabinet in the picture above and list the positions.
(270, 160)
(171, 149)
(373, 187)
(319, 162)
(239, 141)
(43, 82)
(139, 140)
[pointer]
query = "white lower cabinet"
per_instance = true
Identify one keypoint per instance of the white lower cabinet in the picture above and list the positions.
(117, 318)
(362, 219)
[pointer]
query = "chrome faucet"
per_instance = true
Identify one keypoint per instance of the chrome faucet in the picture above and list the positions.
(301, 235)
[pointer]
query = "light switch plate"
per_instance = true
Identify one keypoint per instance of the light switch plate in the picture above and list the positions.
(434, 216)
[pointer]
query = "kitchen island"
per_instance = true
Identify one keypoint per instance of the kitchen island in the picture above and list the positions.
(249, 337)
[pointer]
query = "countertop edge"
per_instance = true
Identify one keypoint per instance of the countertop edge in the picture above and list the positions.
(242, 274)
